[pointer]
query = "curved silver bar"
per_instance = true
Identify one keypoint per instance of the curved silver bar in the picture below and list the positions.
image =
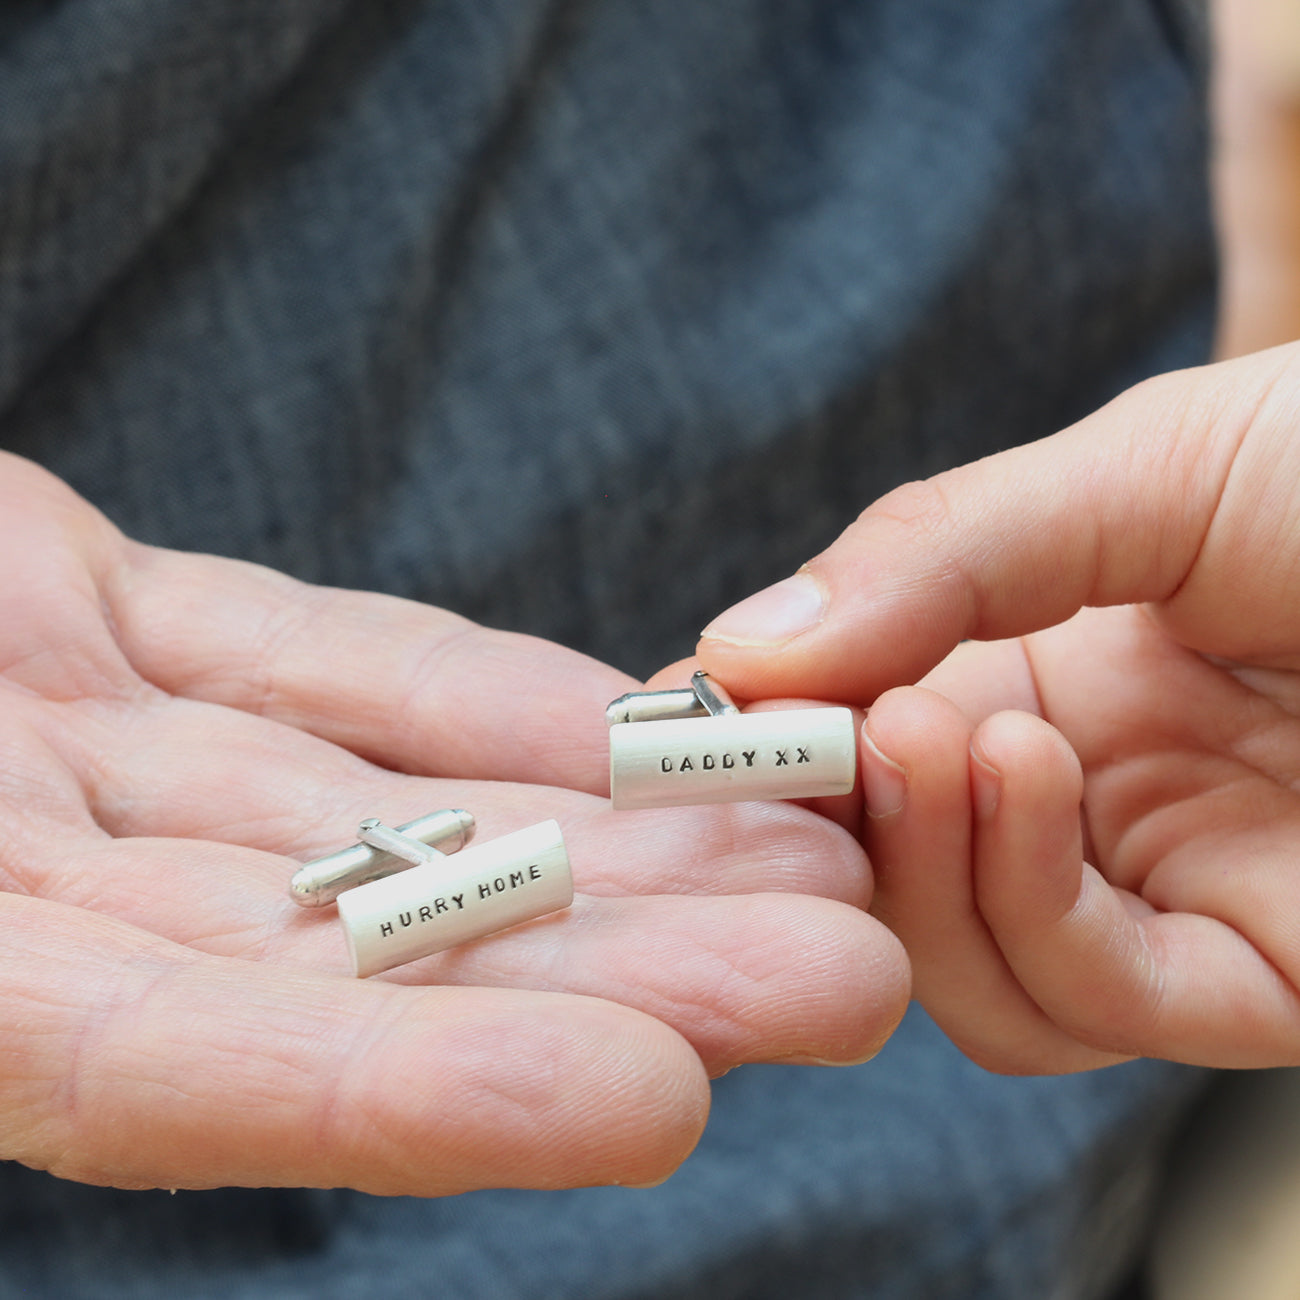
(655, 706)
(703, 698)
(714, 698)
(321, 881)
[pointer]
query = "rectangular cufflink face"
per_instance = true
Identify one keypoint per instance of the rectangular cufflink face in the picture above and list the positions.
(792, 754)
(442, 904)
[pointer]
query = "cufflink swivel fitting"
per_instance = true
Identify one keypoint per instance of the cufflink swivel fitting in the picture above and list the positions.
(703, 698)
(321, 881)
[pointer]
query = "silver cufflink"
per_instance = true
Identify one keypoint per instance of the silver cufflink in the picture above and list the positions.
(321, 881)
(690, 746)
(403, 899)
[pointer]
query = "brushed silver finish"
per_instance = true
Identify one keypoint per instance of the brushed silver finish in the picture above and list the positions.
(655, 706)
(713, 695)
(443, 904)
(321, 881)
(701, 699)
(384, 838)
(789, 754)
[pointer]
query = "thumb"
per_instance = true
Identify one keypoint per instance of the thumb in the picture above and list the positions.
(1120, 508)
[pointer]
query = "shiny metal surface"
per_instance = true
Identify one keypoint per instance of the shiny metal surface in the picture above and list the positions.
(440, 905)
(788, 754)
(321, 881)
(703, 698)
(655, 706)
(384, 838)
(717, 703)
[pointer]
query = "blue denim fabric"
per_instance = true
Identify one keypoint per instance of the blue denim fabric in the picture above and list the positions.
(587, 317)
(532, 308)
(917, 1175)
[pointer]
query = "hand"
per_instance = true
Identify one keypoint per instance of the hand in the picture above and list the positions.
(1086, 837)
(176, 728)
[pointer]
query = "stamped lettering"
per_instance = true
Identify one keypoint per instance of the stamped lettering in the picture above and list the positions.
(436, 907)
(674, 764)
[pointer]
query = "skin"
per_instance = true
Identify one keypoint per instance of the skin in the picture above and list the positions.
(1256, 171)
(1084, 819)
(1083, 822)
(179, 731)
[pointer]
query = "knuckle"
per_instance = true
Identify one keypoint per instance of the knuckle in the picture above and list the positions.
(920, 509)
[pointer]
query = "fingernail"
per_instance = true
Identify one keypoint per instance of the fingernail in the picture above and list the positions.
(986, 787)
(823, 1062)
(884, 782)
(772, 615)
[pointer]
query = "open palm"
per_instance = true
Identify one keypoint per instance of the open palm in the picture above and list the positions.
(174, 730)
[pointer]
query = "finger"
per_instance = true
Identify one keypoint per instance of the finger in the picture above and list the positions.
(1115, 510)
(261, 784)
(763, 978)
(53, 637)
(402, 684)
(132, 1062)
(986, 677)
(233, 900)
(756, 978)
(916, 772)
(1104, 965)
(676, 676)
